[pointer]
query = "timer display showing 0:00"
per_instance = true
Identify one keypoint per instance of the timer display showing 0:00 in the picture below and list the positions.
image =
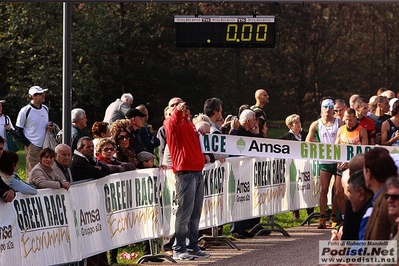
(246, 32)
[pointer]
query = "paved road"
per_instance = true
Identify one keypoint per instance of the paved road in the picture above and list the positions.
(299, 249)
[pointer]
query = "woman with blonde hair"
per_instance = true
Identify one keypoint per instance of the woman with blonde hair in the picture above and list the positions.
(296, 133)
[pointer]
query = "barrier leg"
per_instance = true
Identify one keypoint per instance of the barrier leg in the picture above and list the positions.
(314, 215)
(271, 226)
(154, 253)
(215, 240)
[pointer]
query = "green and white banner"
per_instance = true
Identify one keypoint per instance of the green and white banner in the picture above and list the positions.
(275, 148)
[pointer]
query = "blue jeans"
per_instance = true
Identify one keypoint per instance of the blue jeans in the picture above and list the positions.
(190, 197)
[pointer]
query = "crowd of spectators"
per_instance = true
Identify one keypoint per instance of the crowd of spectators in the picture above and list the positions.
(124, 141)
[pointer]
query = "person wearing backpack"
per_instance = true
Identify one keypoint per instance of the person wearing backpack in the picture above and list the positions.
(31, 126)
(5, 125)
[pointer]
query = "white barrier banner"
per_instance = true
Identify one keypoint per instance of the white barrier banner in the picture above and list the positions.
(214, 210)
(276, 148)
(90, 217)
(239, 189)
(304, 183)
(270, 188)
(38, 230)
(58, 226)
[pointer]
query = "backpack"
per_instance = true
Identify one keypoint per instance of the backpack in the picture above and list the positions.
(11, 143)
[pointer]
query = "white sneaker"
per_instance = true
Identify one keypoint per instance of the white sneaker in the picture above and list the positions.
(182, 256)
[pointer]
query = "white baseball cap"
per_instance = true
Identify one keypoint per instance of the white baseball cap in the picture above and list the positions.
(391, 102)
(2, 101)
(36, 89)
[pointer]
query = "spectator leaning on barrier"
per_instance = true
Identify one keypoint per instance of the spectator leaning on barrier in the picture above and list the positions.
(32, 123)
(62, 161)
(247, 122)
(296, 133)
(204, 128)
(117, 110)
(105, 151)
(6, 192)
(43, 176)
(8, 167)
(146, 160)
(378, 167)
(79, 122)
(84, 165)
(187, 164)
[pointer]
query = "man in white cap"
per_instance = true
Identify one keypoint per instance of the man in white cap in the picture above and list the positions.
(32, 124)
(5, 124)
(324, 130)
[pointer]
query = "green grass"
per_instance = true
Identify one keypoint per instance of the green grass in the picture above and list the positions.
(21, 163)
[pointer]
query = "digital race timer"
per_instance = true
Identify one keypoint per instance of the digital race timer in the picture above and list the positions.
(225, 31)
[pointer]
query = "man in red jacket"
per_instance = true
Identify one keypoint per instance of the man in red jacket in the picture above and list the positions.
(187, 163)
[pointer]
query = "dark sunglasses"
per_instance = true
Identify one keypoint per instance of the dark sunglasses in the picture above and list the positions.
(108, 149)
(338, 110)
(392, 196)
(125, 137)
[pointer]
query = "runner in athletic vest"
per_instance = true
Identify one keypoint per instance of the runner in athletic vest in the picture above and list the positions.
(324, 130)
(350, 133)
